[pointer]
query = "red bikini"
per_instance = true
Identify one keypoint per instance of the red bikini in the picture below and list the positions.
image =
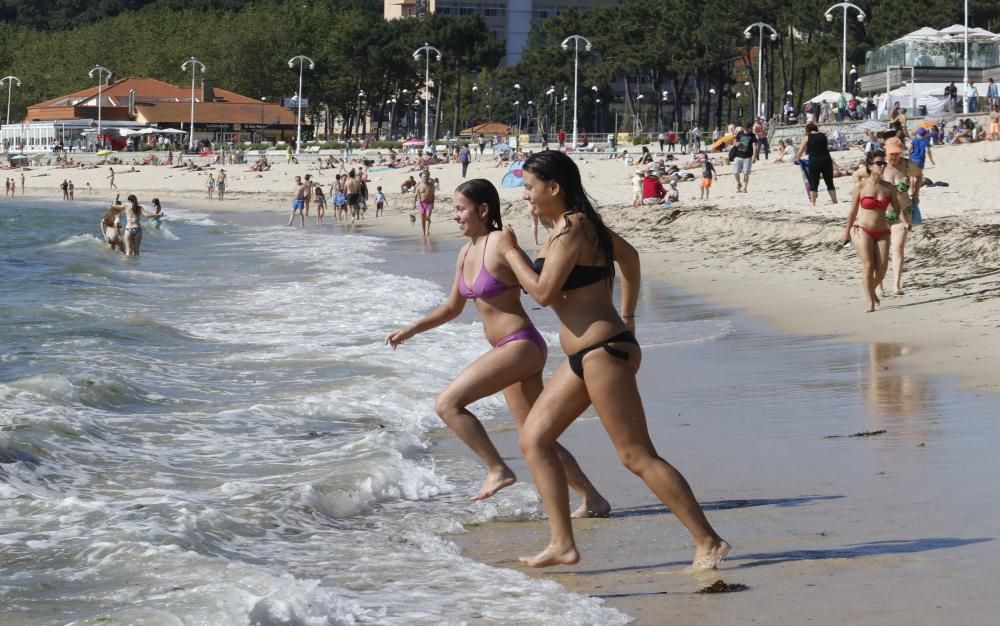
(874, 204)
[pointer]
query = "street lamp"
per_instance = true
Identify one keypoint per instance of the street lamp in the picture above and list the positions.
(549, 112)
(663, 101)
(829, 17)
(195, 64)
(10, 80)
(760, 26)
(739, 105)
(517, 109)
(965, 71)
(301, 58)
(100, 69)
(638, 106)
(427, 49)
(576, 39)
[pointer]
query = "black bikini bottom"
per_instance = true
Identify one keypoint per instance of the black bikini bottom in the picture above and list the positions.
(576, 360)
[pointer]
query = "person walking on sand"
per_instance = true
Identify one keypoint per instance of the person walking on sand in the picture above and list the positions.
(919, 149)
(111, 177)
(907, 178)
(515, 363)
(380, 200)
(211, 186)
(874, 196)
(22, 183)
(298, 202)
(815, 146)
(464, 157)
(574, 273)
(743, 161)
(423, 200)
(707, 175)
(994, 123)
(220, 184)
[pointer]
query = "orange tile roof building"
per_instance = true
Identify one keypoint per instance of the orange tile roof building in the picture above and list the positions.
(143, 102)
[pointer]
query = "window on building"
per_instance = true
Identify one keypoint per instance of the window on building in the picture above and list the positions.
(469, 9)
(446, 8)
(543, 12)
(494, 10)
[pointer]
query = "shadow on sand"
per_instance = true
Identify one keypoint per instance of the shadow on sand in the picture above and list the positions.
(720, 505)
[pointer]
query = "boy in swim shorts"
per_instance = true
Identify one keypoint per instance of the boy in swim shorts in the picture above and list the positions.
(707, 174)
(298, 202)
(379, 202)
(424, 200)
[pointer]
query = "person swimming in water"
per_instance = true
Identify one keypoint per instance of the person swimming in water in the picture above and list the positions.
(515, 363)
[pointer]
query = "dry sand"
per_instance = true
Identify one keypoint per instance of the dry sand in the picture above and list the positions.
(772, 255)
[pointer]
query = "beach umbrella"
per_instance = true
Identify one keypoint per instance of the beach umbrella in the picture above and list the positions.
(515, 176)
(38, 156)
(501, 146)
(17, 157)
(103, 152)
(413, 142)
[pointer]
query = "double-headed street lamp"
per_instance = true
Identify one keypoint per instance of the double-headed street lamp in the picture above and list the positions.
(100, 69)
(10, 80)
(195, 64)
(760, 26)
(576, 39)
(427, 49)
(829, 17)
(298, 120)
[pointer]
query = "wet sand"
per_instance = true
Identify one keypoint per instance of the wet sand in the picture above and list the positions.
(827, 528)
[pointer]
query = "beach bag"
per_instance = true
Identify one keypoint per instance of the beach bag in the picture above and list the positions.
(732, 154)
(915, 216)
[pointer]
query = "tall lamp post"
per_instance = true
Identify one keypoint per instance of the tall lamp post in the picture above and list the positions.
(517, 110)
(829, 17)
(100, 69)
(965, 71)
(597, 101)
(301, 58)
(760, 26)
(427, 49)
(195, 64)
(576, 39)
(10, 80)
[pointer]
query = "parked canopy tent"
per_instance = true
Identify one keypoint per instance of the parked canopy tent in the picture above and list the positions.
(830, 96)
(929, 95)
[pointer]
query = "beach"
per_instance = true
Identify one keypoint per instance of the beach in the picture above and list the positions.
(759, 367)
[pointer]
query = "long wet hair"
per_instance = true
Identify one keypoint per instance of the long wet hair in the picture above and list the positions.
(482, 191)
(552, 165)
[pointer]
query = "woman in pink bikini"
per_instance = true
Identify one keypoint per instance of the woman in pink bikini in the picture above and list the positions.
(879, 206)
(515, 363)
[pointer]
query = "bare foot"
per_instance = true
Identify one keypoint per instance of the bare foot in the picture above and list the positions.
(592, 508)
(870, 309)
(553, 556)
(495, 481)
(898, 291)
(709, 557)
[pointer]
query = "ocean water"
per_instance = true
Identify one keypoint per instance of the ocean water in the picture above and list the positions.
(214, 433)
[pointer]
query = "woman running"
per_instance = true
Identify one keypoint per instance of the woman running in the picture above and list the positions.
(574, 273)
(874, 195)
(514, 365)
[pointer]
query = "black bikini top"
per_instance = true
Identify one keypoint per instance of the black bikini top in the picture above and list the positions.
(580, 276)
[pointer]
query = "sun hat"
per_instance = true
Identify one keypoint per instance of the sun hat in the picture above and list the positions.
(893, 146)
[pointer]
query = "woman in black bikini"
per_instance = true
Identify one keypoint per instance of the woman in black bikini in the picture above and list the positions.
(574, 274)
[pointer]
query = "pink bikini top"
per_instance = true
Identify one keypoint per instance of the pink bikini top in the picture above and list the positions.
(486, 285)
